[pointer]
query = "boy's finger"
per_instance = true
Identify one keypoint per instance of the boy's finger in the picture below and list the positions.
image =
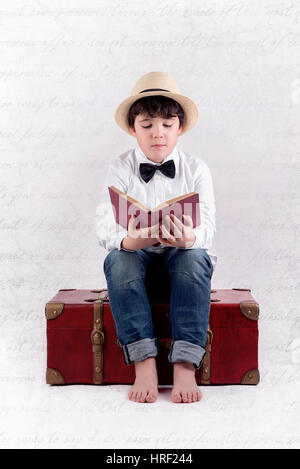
(133, 220)
(165, 232)
(153, 230)
(176, 230)
(161, 239)
(176, 221)
(187, 220)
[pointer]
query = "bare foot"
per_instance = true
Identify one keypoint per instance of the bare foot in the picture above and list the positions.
(185, 387)
(145, 385)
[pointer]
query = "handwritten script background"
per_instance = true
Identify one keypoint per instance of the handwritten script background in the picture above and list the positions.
(65, 66)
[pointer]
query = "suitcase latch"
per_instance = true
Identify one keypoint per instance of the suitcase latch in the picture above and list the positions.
(97, 337)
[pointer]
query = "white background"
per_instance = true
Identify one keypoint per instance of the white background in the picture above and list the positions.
(64, 68)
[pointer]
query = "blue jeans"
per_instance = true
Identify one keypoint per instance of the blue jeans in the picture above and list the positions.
(181, 277)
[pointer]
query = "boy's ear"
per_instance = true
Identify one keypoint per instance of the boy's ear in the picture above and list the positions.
(132, 131)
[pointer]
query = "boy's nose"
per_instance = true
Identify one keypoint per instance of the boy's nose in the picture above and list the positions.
(157, 131)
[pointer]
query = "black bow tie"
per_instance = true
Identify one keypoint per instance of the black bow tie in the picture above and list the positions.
(147, 170)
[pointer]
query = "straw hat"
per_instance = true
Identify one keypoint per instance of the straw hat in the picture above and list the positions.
(157, 84)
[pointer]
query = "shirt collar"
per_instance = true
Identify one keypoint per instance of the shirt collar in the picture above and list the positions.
(142, 158)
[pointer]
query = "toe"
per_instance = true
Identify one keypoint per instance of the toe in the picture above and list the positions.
(176, 397)
(151, 397)
(184, 397)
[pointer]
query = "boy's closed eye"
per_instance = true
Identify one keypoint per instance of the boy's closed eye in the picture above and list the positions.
(148, 126)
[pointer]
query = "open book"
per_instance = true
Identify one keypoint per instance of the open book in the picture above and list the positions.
(124, 206)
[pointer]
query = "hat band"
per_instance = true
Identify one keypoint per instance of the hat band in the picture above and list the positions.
(154, 89)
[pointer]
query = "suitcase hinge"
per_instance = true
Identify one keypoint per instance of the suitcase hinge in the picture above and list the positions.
(103, 294)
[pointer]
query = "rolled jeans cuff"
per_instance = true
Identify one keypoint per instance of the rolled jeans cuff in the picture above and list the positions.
(183, 351)
(140, 350)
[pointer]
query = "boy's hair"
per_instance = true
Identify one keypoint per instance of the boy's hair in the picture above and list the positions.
(156, 106)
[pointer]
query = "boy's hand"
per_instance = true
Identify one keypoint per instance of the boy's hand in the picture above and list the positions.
(175, 233)
(133, 232)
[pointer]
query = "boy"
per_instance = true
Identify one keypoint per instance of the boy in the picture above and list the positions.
(156, 113)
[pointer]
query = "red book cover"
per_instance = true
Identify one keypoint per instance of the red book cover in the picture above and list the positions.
(124, 206)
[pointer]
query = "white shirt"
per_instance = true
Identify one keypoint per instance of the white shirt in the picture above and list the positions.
(192, 175)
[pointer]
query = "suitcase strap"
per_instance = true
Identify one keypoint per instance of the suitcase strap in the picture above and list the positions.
(97, 338)
(205, 365)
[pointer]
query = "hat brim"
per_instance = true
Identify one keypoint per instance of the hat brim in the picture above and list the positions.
(189, 107)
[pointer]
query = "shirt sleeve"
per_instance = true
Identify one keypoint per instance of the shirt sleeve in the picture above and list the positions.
(205, 232)
(109, 233)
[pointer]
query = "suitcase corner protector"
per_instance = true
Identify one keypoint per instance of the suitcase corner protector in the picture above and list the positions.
(54, 377)
(53, 310)
(251, 377)
(250, 309)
